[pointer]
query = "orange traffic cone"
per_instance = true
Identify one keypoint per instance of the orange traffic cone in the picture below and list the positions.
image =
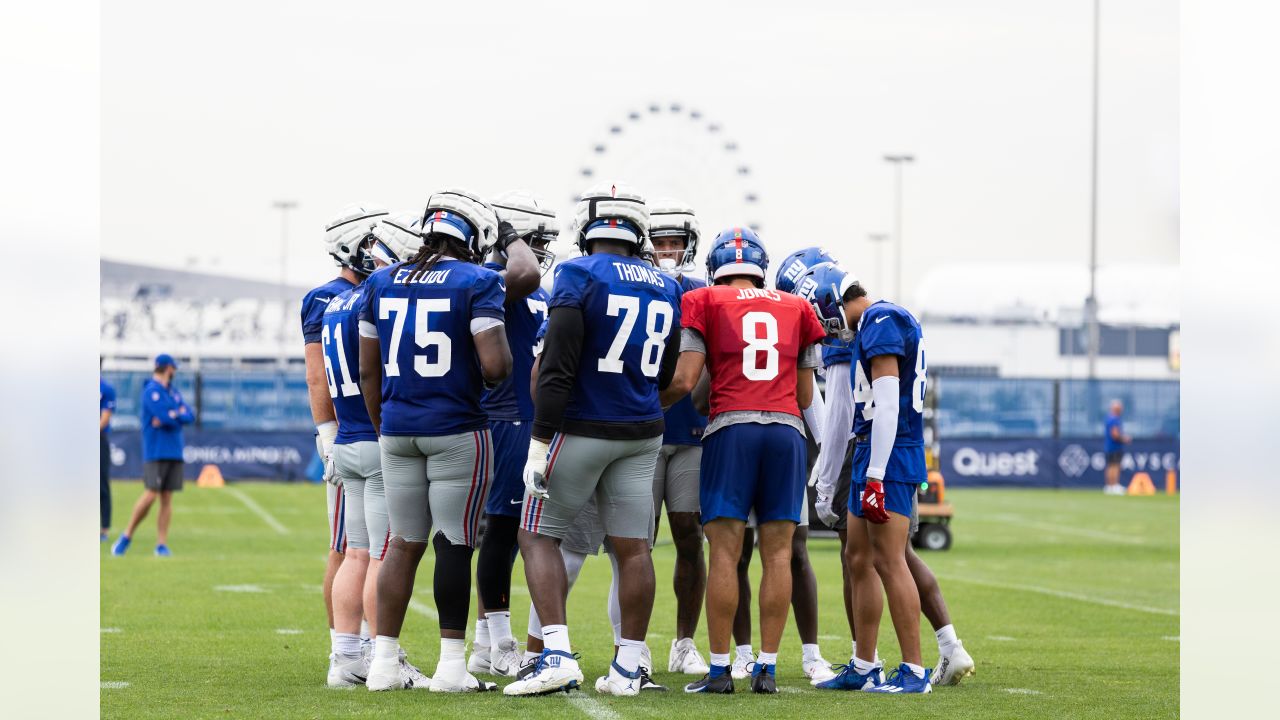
(210, 477)
(1171, 482)
(1141, 485)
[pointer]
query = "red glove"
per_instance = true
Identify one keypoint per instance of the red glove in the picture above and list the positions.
(873, 503)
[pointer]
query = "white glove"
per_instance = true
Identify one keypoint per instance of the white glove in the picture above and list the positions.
(822, 506)
(535, 469)
(813, 474)
(331, 471)
(326, 434)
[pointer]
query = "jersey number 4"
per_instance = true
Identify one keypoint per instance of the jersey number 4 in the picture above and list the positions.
(657, 327)
(395, 309)
(862, 388)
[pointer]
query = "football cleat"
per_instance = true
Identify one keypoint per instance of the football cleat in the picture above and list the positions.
(763, 679)
(347, 670)
(647, 684)
(163, 551)
(904, 682)
(122, 544)
(818, 670)
(742, 663)
(554, 671)
(721, 684)
(620, 682)
(684, 658)
(504, 658)
(954, 667)
(527, 668)
(414, 678)
(479, 660)
(848, 679)
(452, 676)
(385, 674)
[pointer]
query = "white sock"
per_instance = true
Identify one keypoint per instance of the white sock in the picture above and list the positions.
(629, 654)
(946, 640)
(556, 637)
(721, 659)
(499, 626)
(810, 652)
(535, 623)
(482, 632)
(364, 631)
(346, 644)
(863, 666)
(452, 649)
(333, 634)
(744, 650)
(765, 658)
(915, 670)
(386, 648)
(853, 649)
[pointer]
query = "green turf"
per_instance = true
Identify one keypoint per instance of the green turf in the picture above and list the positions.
(1068, 602)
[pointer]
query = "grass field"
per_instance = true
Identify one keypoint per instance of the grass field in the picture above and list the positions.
(1068, 602)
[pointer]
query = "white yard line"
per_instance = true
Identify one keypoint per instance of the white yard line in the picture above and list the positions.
(113, 685)
(423, 609)
(1064, 529)
(1021, 691)
(258, 510)
(288, 631)
(111, 630)
(1064, 594)
(240, 588)
(590, 707)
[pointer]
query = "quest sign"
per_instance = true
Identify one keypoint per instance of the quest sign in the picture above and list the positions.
(1046, 462)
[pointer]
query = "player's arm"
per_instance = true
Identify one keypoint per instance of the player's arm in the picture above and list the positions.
(159, 408)
(835, 430)
(884, 430)
(491, 349)
(104, 418)
(809, 359)
(183, 415)
(693, 358)
(701, 394)
(523, 274)
(371, 373)
(557, 367)
(105, 413)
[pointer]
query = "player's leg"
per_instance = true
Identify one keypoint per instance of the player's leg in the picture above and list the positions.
(459, 470)
(841, 500)
(347, 664)
(954, 662)
(104, 480)
(404, 474)
(724, 537)
(868, 603)
(775, 595)
(804, 602)
(335, 506)
(498, 549)
(151, 484)
(744, 655)
(689, 581)
(163, 518)
(889, 546)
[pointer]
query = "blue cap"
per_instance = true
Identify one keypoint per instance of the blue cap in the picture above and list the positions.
(165, 360)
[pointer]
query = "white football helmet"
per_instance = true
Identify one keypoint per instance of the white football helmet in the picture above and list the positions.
(669, 217)
(533, 221)
(611, 212)
(398, 238)
(347, 231)
(464, 216)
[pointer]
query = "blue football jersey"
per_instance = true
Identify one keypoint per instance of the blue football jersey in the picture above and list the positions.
(836, 351)
(886, 329)
(629, 310)
(685, 424)
(431, 381)
(316, 302)
(510, 401)
(340, 343)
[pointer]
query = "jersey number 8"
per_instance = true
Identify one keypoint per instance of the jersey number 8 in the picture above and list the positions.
(862, 388)
(657, 327)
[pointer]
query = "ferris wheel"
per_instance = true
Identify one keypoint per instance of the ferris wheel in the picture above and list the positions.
(673, 150)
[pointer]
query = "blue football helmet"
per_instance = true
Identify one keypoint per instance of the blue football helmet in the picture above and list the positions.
(824, 285)
(736, 251)
(795, 265)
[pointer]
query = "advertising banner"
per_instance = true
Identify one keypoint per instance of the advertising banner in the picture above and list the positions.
(257, 455)
(1046, 462)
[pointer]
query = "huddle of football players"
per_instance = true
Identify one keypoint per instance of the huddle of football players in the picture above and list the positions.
(450, 392)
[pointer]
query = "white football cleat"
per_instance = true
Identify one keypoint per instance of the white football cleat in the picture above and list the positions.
(619, 683)
(684, 658)
(555, 671)
(347, 670)
(385, 674)
(953, 668)
(818, 670)
(504, 658)
(742, 663)
(479, 660)
(414, 678)
(452, 676)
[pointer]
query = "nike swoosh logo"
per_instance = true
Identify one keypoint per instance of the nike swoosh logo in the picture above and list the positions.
(882, 317)
(516, 502)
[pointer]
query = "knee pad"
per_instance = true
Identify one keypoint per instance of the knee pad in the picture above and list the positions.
(452, 583)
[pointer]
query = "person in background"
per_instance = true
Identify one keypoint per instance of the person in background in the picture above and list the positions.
(163, 415)
(1113, 443)
(106, 407)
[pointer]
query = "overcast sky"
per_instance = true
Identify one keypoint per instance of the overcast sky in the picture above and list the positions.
(212, 111)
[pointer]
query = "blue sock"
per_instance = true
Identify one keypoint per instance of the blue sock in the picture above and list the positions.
(718, 670)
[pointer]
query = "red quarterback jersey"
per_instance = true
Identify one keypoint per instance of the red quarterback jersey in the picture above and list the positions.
(754, 340)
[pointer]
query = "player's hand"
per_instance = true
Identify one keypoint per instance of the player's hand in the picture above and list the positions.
(330, 470)
(155, 422)
(535, 469)
(506, 235)
(873, 503)
(822, 506)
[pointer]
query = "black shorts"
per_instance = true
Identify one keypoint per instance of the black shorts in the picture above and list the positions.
(1114, 458)
(840, 500)
(162, 475)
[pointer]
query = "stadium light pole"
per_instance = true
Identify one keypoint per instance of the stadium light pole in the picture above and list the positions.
(1091, 303)
(877, 240)
(284, 206)
(898, 161)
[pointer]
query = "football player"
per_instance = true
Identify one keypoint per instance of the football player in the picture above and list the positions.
(342, 237)
(526, 227)
(889, 375)
(758, 347)
(432, 338)
(597, 429)
(355, 462)
(674, 233)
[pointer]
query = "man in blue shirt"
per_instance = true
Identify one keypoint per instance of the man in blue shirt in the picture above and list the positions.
(163, 415)
(1113, 443)
(106, 407)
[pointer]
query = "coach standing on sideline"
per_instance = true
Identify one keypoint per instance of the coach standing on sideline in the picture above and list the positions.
(163, 415)
(106, 407)
(1113, 445)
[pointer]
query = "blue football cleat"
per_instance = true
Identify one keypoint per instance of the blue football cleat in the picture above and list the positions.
(163, 551)
(902, 681)
(121, 545)
(848, 678)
